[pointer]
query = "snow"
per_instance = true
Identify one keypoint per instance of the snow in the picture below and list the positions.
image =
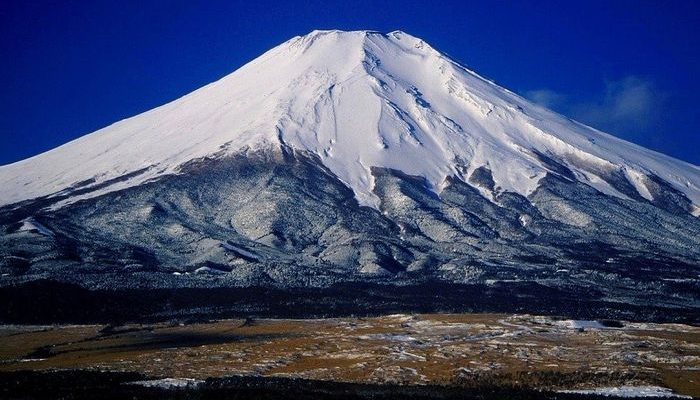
(389, 337)
(357, 100)
(580, 324)
(637, 180)
(695, 211)
(31, 225)
(239, 250)
(169, 383)
(209, 270)
(630, 391)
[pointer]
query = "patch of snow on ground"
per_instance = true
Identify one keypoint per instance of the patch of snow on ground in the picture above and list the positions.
(580, 324)
(31, 225)
(630, 391)
(389, 337)
(208, 270)
(241, 251)
(169, 383)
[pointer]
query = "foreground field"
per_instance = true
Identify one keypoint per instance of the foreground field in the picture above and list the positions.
(467, 350)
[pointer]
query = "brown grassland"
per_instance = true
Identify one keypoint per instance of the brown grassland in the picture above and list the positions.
(446, 349)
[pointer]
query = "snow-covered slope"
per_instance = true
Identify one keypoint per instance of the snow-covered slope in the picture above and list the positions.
(252, 180)
(357, 100)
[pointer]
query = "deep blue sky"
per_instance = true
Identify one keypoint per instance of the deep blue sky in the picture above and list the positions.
(67, 68)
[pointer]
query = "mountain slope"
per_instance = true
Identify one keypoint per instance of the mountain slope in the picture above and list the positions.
(356, 157)
(357, 100)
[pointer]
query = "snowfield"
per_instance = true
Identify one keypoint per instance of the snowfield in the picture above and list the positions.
(631, 392)
(169, 383)
(356, 100)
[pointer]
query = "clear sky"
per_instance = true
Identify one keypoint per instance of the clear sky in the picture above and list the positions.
(67, 68)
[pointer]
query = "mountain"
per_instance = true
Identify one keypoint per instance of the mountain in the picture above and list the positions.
(355, 157)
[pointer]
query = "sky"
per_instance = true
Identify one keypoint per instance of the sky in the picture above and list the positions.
(67, 68)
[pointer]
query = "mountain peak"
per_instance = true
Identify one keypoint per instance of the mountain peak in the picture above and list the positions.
(359, 32)
(329, 41)
(356, 100)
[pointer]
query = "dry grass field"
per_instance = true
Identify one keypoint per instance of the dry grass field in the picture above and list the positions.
(446, 349)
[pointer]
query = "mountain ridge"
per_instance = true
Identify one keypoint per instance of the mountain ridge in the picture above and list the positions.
(358, 100)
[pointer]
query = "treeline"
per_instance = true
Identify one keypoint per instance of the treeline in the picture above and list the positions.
(45, 301)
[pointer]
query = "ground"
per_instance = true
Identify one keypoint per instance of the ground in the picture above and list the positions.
(443, 349)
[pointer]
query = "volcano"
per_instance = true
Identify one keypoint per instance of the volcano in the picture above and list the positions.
(355, 157)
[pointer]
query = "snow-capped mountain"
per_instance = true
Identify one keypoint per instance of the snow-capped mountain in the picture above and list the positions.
(356, 100)
(353, 156)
